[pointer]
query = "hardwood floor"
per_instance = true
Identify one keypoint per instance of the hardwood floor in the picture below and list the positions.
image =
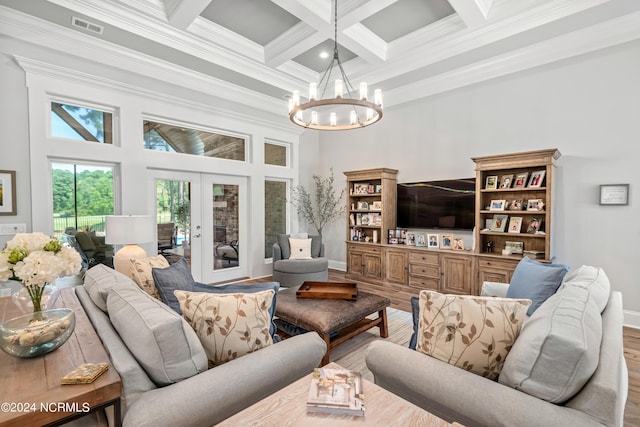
(351, 353)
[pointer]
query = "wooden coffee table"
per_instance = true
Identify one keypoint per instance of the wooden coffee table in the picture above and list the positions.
(335, 320)
(32, 386)
(287, 407)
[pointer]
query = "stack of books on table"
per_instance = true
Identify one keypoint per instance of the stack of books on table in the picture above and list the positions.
(336, 391)
(533, 254)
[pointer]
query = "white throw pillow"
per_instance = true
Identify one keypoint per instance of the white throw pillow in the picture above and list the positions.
(300, 248)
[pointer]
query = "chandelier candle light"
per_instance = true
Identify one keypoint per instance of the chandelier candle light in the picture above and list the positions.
(361, 111)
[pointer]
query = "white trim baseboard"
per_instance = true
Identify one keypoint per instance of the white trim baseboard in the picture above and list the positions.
(631, 319)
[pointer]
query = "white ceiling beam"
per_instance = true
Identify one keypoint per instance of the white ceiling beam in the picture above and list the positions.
(298, 39)
(474, 13)
(315, 13)
(182, 13)
(364, 43)
(352, 17)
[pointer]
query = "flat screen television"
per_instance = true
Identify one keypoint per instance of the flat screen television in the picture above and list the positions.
(446, 204)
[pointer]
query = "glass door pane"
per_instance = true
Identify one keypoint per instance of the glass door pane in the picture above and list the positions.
(173, 210)
(226, 225)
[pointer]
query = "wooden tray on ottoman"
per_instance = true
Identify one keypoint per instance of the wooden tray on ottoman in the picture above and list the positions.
(335, 290)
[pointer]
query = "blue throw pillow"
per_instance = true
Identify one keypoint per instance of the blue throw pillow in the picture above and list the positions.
(415, 312)
(240, 288)
(536, 281)
(175, 277)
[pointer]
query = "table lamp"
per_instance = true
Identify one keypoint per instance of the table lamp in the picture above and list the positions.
(128, 230)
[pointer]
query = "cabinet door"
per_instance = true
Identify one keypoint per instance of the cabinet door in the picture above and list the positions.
(355, 262)
(495, 270)
(456, 274)
(372, 266)
(396, 266)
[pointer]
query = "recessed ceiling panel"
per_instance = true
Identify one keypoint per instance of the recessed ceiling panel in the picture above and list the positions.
(260, 21)
(312, 59)
(406, 16)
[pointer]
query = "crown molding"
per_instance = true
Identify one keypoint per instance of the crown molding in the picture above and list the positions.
(39, 68)
(152, 25)
(596, 37)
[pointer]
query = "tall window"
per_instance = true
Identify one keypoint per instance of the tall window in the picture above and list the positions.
(81, 123)
(275, 213)
(82, 197)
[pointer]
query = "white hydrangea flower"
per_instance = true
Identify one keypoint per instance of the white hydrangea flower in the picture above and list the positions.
(5, 267)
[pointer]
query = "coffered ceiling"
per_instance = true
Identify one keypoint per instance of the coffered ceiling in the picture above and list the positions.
(408, 48)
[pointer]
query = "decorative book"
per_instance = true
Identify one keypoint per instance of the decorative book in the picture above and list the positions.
(85, 373)
(336, 391)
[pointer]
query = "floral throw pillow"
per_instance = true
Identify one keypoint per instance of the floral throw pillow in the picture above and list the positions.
(470, 332)
(228, 325)
(140, 272)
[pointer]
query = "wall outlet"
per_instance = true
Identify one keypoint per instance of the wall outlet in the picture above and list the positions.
(10, 229)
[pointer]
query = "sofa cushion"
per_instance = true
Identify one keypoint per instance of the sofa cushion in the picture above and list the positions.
(85, 242)
(535, 281)
(98, 281)
(164, 344)
(558, 348)
(234, 288)
(298, 266)
(283, 242)
(140, 270)
(595, 279)
(470, 332)
(228, 325)
(175, 277)
(300, 248)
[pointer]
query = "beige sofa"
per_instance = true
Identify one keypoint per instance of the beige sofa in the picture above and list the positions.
(457, 395)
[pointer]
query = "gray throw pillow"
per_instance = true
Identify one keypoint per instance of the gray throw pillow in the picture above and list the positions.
(166, 347)
(558, 349)
(98, 281)
(175, 277)
(234, 288)
(283, 242)
(316, 245)
(536, 281)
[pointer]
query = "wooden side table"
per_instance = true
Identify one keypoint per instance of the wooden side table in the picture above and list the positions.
(31, 393)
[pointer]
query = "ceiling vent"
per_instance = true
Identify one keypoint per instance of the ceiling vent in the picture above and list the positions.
(86, 25)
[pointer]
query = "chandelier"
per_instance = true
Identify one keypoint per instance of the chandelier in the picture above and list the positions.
(342, 112)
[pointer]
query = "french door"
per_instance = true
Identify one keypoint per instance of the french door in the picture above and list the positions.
(209, 213)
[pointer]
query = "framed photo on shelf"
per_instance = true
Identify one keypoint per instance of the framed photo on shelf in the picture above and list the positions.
(376, 206)
(378, 188)
(515, 224)
(432, 240)
(410, 240)
(491, 182)
(446, 240)
(515, 247)
(360, 188)
(515, 205)
(534, 225)
(458, 244)
(614, 194)
(421, 239)
(536, 179)
(499, 223)
(535, 205)
(8, 193)
(371, 189)
(521, 180)
(497, 205)
(506, 181)
(363, 206)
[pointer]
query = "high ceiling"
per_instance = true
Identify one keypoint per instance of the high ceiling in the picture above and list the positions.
(408, 48)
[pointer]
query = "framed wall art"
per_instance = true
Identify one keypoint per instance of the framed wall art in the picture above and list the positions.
(8, 192)
(614, 194)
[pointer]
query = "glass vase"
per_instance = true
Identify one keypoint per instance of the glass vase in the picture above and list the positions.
(38, 333)
(24, 301)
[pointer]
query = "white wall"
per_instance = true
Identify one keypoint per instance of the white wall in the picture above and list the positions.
(588, 107)
(26, 146)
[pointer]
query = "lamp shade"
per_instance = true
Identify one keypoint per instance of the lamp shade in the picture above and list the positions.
(129, 229)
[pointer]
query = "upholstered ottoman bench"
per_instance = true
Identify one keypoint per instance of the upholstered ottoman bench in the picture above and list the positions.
(335, 320)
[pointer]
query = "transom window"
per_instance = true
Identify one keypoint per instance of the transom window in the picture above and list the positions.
(178, 139)
(276, 154)
(81, 123)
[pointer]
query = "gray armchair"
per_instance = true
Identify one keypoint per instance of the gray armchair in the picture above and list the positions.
(293, 272)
